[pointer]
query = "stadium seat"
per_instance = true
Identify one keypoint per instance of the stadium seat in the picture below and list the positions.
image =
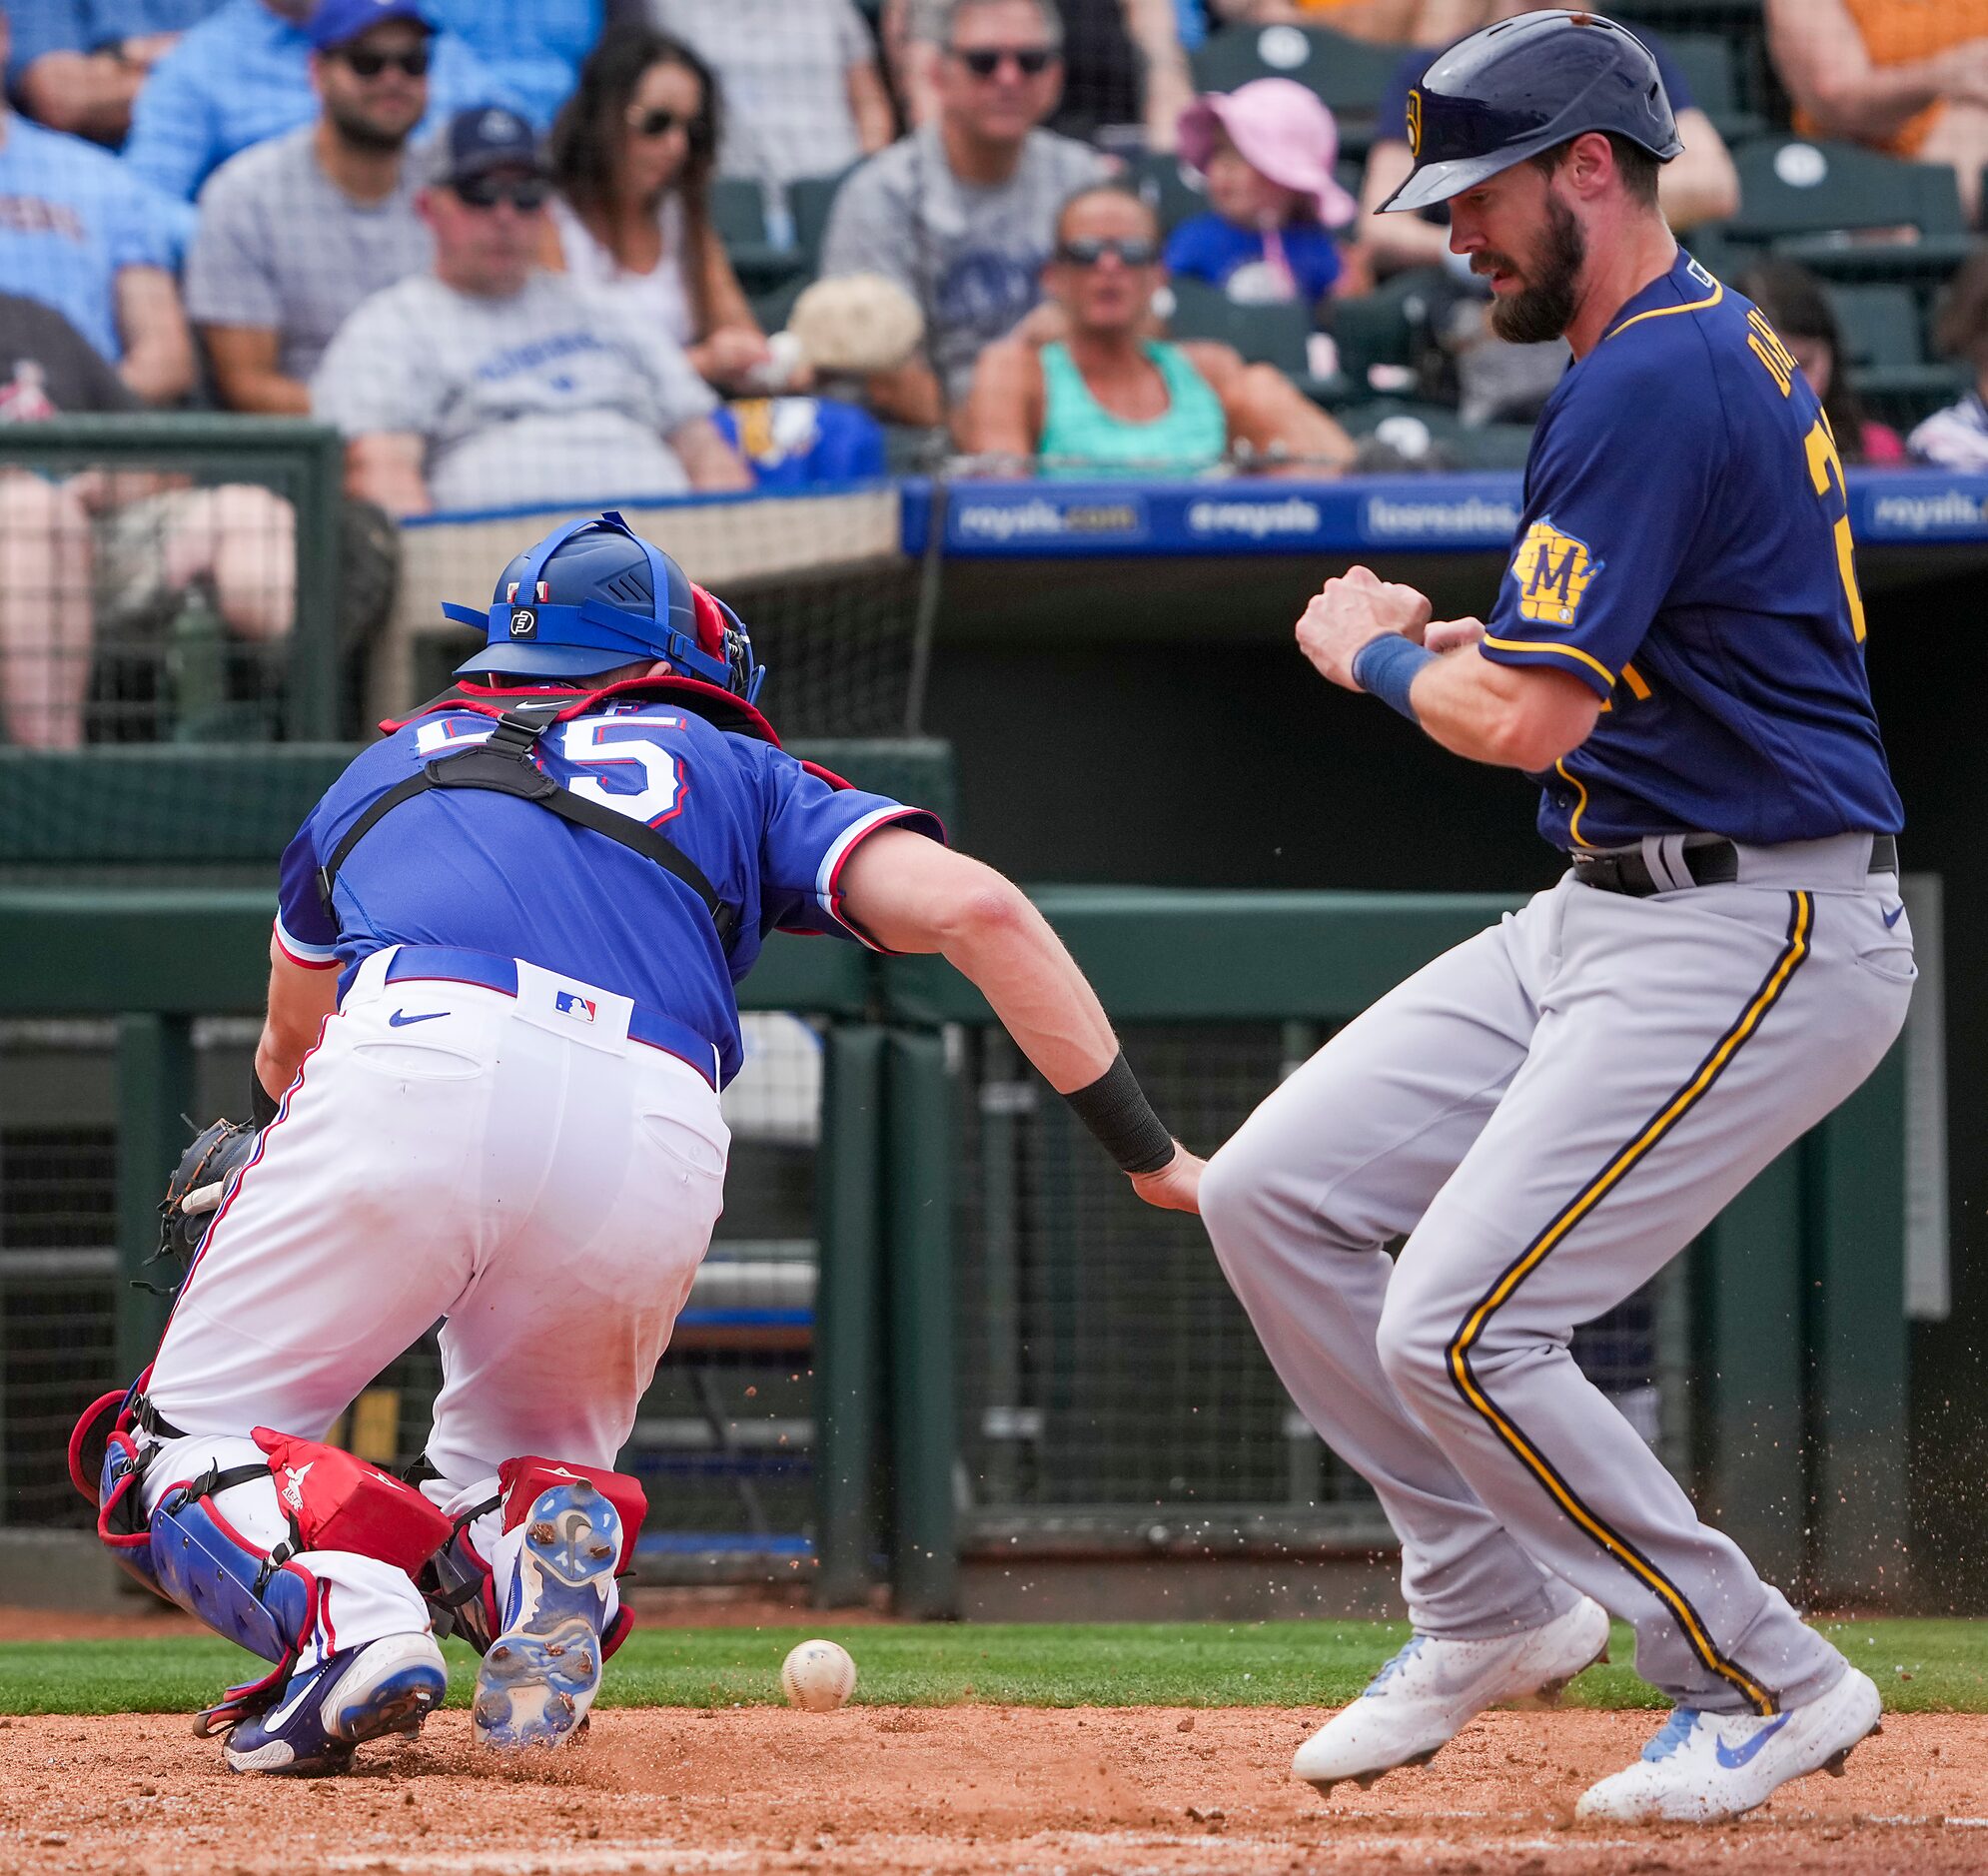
(809, 197)
(1712, 64)
(1839, 208)
(1439, 429)
(1265, 335)
(1349, 74)
(1168, 186)
(738, 214)
(773, 306)
(738, 211)
(1880, 325)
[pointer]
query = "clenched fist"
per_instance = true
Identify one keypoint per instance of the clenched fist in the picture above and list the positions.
(1349, 610)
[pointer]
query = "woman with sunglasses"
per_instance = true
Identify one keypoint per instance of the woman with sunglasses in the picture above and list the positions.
(631, 157)
(1108, 399)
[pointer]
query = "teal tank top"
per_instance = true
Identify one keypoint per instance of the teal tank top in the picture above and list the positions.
(1191, 436)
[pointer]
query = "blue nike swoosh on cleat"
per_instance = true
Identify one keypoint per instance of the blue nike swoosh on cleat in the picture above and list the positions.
(1734, 1758)
(400, 1019)
(1892, 917)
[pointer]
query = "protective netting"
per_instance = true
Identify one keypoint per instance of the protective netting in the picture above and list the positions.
(821, 580)
(1113, 1391)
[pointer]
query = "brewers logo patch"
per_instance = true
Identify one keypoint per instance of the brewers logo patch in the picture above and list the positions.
(1415, 124)
(1553, 572)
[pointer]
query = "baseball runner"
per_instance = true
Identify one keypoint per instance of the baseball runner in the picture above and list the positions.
(1552, 1111)
(500, 1010)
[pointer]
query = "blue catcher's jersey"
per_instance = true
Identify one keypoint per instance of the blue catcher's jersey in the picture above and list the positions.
(489, 872)
(1685, 550)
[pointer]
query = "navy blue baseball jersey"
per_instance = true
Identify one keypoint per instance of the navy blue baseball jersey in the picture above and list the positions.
(1685, 550)
(489, 872)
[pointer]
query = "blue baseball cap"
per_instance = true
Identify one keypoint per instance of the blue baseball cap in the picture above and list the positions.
(483, 139)
(339, 22)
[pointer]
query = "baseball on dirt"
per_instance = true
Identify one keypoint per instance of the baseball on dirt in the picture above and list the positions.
(818, 1675)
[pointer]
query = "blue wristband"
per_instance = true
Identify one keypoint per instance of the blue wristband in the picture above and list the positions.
(1385, 667)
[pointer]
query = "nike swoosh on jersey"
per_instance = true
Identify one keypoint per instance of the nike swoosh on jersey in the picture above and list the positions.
(1734, 1758)
(1892, 917)
(400, 1019)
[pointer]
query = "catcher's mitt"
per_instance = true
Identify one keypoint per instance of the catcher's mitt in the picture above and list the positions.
(194, 1191)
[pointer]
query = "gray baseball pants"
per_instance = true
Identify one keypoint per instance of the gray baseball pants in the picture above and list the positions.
(1549, 1112)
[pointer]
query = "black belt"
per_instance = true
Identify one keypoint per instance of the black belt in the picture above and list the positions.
(1710, 863)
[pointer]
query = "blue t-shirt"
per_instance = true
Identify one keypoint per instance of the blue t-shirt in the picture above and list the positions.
(1205, 247)
(489, 872)
(534, 47)
(243, 76)
(42, 26)
(72, 217)
(1684, 550)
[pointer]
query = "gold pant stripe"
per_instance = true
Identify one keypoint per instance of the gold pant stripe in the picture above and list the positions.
(1800, 924)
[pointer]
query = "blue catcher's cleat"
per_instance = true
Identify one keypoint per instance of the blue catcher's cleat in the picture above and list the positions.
(543, 1670)
(383, 1686)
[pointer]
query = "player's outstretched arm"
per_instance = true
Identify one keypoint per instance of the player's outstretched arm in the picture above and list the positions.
(911, 894)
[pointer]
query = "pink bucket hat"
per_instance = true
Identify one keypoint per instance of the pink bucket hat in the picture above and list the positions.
(1281, 129)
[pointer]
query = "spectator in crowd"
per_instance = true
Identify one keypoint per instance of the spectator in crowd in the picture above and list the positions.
(295, 232)
(1125, 71)
(1108, 399)
(244, 75)
(533, 47)
(962, 213)
(1384, 22)
(1699, 186)
(803, 93)
(1957, 437)
(77, 64)
(492, 382)
(123, 546)
(1909, 77)
(77, 234)
(1798, 309)
(1268, 151)
(631, 158)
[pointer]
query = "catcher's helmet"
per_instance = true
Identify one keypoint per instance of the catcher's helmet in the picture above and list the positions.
(595, 595)
(1517, 89)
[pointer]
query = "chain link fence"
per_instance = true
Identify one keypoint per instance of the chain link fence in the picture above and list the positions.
(1113, 1393)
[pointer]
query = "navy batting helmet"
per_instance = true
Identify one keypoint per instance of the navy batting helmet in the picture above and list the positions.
(1522, 87)
(595, 595)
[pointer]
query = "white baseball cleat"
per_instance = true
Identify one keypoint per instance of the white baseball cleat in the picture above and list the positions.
(1433, 1689)
(1703, 1767)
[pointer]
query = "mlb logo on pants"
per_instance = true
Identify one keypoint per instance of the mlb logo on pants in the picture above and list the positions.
(572, 1003)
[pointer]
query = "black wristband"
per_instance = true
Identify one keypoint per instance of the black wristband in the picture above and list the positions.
(262, 1104)
(1114, 1109)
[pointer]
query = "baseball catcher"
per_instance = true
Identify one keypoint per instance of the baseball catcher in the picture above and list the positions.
(501, 1008)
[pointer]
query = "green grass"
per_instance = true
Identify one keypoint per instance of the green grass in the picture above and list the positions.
(1320, 1664)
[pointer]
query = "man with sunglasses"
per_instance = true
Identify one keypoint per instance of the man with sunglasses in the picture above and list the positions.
(962, 213)
(492, 382)
(297, 232)
(244, 75)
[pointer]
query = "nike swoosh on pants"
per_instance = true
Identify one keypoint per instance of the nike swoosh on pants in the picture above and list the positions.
(400, 1019)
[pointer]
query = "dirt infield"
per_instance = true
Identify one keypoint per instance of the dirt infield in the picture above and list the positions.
(963, 1789)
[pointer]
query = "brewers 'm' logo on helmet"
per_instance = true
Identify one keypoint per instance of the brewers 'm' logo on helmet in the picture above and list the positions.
(1414, 122)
